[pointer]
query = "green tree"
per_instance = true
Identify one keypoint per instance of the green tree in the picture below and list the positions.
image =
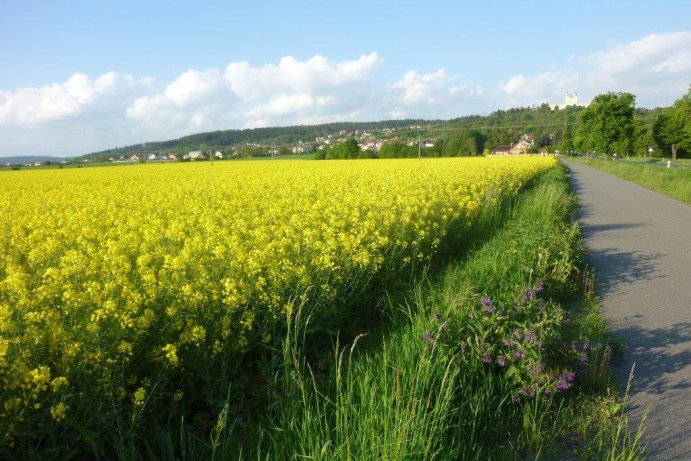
(672, 129)
(566, 146)
(606, 126)
(642, 138)
(345, 150)
(395, 149)
(467, 142)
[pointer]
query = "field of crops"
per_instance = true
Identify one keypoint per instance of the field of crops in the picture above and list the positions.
(125, 287)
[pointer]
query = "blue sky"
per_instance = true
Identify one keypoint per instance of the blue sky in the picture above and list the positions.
(81, 76)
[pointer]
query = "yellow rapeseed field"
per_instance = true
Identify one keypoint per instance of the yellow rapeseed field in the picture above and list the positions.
(117, 282)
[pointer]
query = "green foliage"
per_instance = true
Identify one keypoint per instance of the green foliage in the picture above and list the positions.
(672, 129)
(607, 126)
(467, 142)
(566, 146)
(642, 139)
(346, 150)
(397, 149)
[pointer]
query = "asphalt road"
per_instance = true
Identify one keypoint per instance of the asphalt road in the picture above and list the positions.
(639, 243)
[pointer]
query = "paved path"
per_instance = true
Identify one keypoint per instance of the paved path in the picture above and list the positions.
(639, 243)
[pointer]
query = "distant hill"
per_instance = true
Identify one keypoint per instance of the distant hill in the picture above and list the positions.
(546, 126)
(271, 135)
(30, 159)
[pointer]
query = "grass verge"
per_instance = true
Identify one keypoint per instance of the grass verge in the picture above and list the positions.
(500, 356)
(675, 183)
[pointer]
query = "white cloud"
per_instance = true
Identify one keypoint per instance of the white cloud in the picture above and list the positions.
(434, 95)
(258, 96)
(655, 68)
(545, 86)
(291, 76)
(79, 93)
(186, 101)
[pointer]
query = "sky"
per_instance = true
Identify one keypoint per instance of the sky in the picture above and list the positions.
(81, 76)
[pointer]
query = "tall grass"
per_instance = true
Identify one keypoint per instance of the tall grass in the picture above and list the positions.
(399, 391)
(672, 182)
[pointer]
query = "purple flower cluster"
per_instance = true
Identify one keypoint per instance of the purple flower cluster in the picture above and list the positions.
(527, 296)
(531, 293)
(487, 304)
(563, 384)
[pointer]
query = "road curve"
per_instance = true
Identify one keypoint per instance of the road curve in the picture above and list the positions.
(640, 247)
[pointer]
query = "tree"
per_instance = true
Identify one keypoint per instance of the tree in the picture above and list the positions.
(642, 138)
(468, 142)
(345, 150)
(566, 146)
(606, 126)
(672, 129)
(395, 149)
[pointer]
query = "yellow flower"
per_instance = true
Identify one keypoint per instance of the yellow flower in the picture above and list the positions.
(58, 383)
(139, 396)
(171, 353)
(58, 411)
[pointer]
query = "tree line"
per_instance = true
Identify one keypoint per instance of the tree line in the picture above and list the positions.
(611, 125)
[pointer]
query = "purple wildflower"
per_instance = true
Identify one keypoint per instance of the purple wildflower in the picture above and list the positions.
(518, 355)
(530, 336)
(528, 392)
(528, 295)
(519, 335)
(426, 336)
(570, 376)
(584, 359)
(501, 361)
(485, 301)
(490, 308)
(586, 344)
(539, 287)
(509, 343)
(437, 315)
(562, 384)
(486, 359)
(516, 399)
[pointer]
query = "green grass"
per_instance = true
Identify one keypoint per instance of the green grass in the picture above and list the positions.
(672, 182)
(390, 394)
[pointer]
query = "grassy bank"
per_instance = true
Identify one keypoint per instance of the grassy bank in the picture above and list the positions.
(499, 356)
(675, 183)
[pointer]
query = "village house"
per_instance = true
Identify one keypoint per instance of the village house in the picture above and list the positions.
(502, 150)
(196, 155)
